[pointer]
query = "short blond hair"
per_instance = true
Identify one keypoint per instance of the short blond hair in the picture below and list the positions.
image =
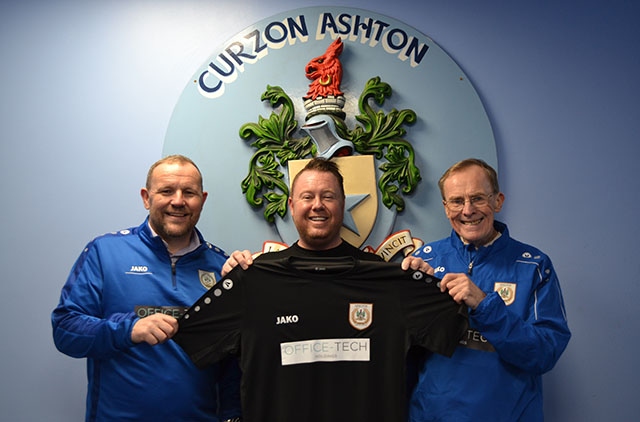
(470, 162)
(172, 159)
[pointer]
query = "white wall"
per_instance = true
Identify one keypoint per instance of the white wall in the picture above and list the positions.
(87, 90)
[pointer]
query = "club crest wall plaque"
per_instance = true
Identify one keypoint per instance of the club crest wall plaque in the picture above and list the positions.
(378, 97)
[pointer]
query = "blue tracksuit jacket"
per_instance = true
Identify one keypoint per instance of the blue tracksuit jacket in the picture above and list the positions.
(117, 279)
(518, 333)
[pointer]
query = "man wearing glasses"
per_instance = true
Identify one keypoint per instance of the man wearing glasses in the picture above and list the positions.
(516, 311)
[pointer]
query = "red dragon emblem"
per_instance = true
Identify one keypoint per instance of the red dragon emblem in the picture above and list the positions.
(326, 73)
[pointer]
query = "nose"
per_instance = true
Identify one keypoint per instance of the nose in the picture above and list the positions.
(177, 200)
(468, 207)
(317, 203)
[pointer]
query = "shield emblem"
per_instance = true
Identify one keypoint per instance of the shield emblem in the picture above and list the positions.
(507, 292)
(360, 315)
(360, 189)
(207, 279)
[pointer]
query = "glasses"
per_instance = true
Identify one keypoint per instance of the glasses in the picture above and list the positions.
(457, 204)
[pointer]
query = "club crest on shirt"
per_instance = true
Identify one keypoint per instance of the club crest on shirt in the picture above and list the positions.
(507, 292)
(360, 315)
(207, 279)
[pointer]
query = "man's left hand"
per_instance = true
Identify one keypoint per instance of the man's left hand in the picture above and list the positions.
(415, 263)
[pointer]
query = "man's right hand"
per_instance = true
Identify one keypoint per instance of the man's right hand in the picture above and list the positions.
(154, 329)
(244, 258)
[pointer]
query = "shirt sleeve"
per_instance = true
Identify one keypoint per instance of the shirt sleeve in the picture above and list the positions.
(437, 321)
(210, 329)
(533, 343)
(79, 328)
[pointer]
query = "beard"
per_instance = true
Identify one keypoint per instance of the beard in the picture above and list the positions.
(320, 238)
(170, 231)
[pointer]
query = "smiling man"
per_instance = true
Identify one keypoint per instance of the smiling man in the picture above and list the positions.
(120, 304)
(317, 206)
(516, 311)
(174, 197)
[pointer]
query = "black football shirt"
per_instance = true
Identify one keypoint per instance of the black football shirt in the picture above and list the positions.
(321, 339)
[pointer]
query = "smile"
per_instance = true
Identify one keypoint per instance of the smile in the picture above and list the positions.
(318, 218)
(173, 214)
(472, 223)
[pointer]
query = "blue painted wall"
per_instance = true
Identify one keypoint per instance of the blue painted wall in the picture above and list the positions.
(86, 94)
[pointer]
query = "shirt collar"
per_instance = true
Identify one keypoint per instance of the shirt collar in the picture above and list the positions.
(489, 243)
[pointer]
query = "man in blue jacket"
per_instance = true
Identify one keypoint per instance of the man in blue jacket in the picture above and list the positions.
(120, 304)
(516, 311)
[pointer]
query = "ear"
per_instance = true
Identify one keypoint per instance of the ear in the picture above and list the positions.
(290, 202)
(144, 193)
(499, 202)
